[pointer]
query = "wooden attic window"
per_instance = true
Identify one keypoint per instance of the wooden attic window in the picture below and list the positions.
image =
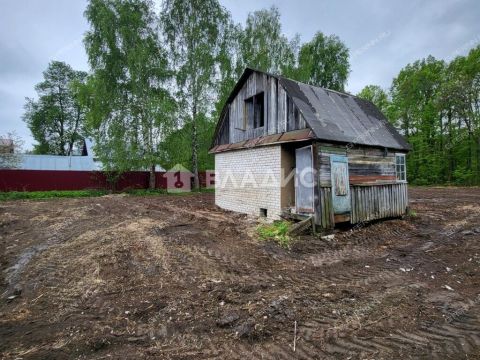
(254, 112)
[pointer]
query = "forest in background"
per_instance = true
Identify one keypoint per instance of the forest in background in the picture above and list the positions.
(436, 106)
(158, 81)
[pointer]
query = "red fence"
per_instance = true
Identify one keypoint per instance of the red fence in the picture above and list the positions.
(45, 180)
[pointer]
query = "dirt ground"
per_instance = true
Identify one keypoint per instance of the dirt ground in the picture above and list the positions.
(174, 277)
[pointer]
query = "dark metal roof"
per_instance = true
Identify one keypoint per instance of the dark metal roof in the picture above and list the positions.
(343, 117)
(335, 116)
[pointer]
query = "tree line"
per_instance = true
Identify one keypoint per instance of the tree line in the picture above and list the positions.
(159, 79)
(436, 105)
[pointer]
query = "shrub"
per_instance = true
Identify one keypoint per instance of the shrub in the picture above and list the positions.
(277, 231)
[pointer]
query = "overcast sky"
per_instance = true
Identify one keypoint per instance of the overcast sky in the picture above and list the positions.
(383, 36)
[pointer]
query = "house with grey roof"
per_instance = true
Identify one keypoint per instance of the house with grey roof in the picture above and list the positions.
(285, 147)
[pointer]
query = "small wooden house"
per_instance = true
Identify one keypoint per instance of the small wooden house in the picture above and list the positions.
(281, 145)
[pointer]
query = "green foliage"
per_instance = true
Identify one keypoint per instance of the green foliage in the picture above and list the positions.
(39, 195)
(437, 107)
(56, 120)
(260, 44)
(464, 176)
(230, 66)
(176, 149)
(194, 31)
(378, 96)
(158, 85)
(146, 192)
(411, 213)
(131, 115)
(263, 46)
(277, 231)
(323, 62)
(130, 109)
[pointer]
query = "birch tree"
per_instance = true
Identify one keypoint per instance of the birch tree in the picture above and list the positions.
(194, 31)
(323, 62)
(263, 46)
(130, 108)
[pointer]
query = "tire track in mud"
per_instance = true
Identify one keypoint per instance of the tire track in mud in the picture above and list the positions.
(223, 260)
(462, 337)
(310, 280)
(239, 350)
(197, 259)
(443, 338)
(453, 338)
(459, 337)
(328, 257)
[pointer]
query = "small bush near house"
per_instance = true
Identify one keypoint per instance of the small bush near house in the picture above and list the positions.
(277, 231)
(411, 213)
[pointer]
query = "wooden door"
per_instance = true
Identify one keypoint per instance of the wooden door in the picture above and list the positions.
(340, 184)
(304, 180)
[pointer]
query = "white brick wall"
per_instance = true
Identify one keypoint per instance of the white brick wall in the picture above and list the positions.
(249, 179)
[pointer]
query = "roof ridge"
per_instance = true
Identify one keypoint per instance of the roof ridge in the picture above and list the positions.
(279, 76)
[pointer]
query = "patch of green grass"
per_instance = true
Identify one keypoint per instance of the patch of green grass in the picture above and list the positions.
(146, 192)
(411, 213)
(37, 195)
(276, 231)
(205, 190)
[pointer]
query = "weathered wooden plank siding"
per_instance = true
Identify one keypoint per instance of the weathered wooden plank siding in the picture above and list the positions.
(378, 201)
(366, 165)
(224, 131)
(375, 193)
(325, 217)
(253, 85)
(282, 110)
(272, 105)
(368, 203)
(280, 114)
